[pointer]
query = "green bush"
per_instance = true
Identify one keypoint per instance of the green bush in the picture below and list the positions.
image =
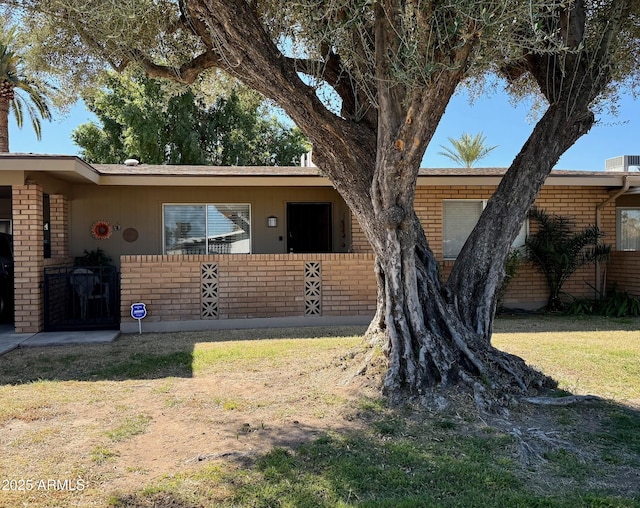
(559, 251)
(615, 303)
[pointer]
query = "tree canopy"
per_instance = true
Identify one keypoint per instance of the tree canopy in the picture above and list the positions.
(141, 118)
(393, 65)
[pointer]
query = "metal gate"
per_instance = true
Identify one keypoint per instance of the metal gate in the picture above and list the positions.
(81, 298)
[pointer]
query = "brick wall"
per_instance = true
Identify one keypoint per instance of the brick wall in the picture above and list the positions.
(28, 253)
(348, 285)
(59, 226)
(359, 242)
(529, 287)
(623, 271)
(246, 286)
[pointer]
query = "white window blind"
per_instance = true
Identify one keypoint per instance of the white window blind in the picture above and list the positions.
(458, 220)
(207, 229)
(628, 228)
(459, 217)
(522, 235)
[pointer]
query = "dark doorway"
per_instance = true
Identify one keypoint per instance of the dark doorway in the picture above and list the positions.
(309, 227)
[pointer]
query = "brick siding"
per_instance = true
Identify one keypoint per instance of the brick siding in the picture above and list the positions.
(59, 226)
(249, 285)
(28, 253)
(528, 287)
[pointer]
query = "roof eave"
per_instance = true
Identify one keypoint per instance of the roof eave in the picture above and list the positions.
(65, 167)
(215, 181)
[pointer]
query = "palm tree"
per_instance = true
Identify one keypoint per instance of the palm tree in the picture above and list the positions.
(559, 251)
(12, 83)
(467, 150)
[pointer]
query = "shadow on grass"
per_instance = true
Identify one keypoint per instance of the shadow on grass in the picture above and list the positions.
(148, 356)
(159, 355)
(421, 460)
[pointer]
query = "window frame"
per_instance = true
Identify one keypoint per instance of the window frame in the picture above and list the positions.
(206, 224)
(619, 210)
(524, 226)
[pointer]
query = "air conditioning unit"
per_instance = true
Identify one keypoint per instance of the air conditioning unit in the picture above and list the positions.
(306, 160)
(626, 163)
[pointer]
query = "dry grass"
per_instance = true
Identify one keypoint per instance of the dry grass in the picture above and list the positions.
(202, 419)
(586, 355)
(121, 415)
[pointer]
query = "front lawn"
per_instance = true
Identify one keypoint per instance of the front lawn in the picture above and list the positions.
(277, 418)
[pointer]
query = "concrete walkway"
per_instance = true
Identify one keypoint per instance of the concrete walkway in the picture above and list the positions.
(10, 340)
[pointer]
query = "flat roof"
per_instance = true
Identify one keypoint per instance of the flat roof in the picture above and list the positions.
(74, 169)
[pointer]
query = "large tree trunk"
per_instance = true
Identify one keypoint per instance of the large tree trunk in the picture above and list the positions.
(436, 337)
(430, 349)
(478, 272)
(429, 346)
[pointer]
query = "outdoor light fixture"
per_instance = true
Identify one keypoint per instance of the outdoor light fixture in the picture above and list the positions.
(272, 222)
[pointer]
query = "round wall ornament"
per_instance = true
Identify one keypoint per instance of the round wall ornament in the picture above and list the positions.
(101, 230)
(130, 235)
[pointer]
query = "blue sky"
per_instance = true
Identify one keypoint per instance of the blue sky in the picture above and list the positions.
(502, 123)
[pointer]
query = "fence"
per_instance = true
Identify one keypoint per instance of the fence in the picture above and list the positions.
(81, 298)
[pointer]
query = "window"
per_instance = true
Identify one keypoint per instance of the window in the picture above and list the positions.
(459, 217)
(458, 220)
(628, 228)
(207, 229)
(5, 226)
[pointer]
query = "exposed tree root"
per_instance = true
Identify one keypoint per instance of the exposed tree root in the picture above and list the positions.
(534, 443)
(494, 380)
(561, 401)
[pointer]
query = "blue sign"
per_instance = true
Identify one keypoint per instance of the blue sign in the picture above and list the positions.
(138, 311)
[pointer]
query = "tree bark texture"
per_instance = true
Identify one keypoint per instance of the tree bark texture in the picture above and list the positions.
(4, 126)
(436, 335)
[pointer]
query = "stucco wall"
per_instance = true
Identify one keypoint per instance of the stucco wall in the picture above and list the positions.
(141, 208)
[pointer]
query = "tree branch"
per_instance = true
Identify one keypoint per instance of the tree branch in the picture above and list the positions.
(187, 73)
(480, 265)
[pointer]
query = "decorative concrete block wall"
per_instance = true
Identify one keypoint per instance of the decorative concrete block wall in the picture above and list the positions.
(182, 288)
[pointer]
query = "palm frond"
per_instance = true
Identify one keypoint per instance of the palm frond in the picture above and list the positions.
(559, 251)
(16, 107)
(467, 150)
(28, 94)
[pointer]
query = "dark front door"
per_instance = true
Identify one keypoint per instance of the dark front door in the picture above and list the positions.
(309, 227)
